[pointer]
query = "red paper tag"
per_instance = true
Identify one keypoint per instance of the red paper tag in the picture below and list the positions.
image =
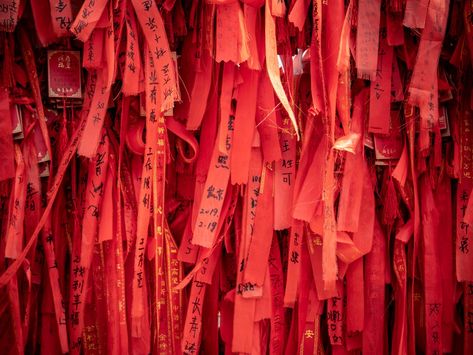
(389, 147)
(8, 14)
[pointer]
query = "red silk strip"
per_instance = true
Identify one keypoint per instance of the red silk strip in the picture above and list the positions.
(215, 187)
(209, 134)
(133, 70)
(96, 117)
(314, 245)
(355, 297)
(99, 103)
(399, 344)
(343, 65)
(7, 150)
(298, 13)
(415, 13)
(272, 65)
(153, 29)
(82, 261)
(226, 93)
(352, 185)
(13, 296)
(14, 235)
(230, 43)
(244, 309)
(308, 199)
(50, 245)
(114, 282)
(275, 275)
(443, 201)
(138, 314)
(260, 242)
(52, 264)
(175, 304)
(432, 285)
(374, 341)
(253, 26)
(424, 77)
(93, 48)
(88, 18)
(32, 215)
(208, 258)
(321, 97)
(468, 26)
(193, 325)
(395, 31)
(335, 318)
(294, 264)
(43, 23)
(187, 251)
(200, 92)
(267, 122)
(163, 239)
(9, 14)
(463, 258)
(367, 38)
(244, 125)
(106, 222)
(61, 16)
(380, 89)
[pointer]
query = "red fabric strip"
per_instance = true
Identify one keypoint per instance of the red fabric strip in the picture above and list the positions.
(14, 235)
(380, 89)
(355, 297)
(153, 29)
(96, 117)
(7, 150)
(260, 243)
(92, 57)
(432, 276)
(374, 341)
(9, 15)
(61, 16)
(245, 116)
(266, 121)
(215, 187)
(275, 274)
(132, 76)
(87, 18)
(335, 319)
(294, 264)
(81, 263)
(367, 38)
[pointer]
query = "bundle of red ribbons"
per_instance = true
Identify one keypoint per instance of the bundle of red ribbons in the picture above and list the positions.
(224, 176)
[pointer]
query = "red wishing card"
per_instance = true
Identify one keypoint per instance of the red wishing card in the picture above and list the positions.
(64, 79)
(389, 147)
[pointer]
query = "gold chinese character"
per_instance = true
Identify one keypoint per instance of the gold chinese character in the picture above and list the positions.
(309, 334)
